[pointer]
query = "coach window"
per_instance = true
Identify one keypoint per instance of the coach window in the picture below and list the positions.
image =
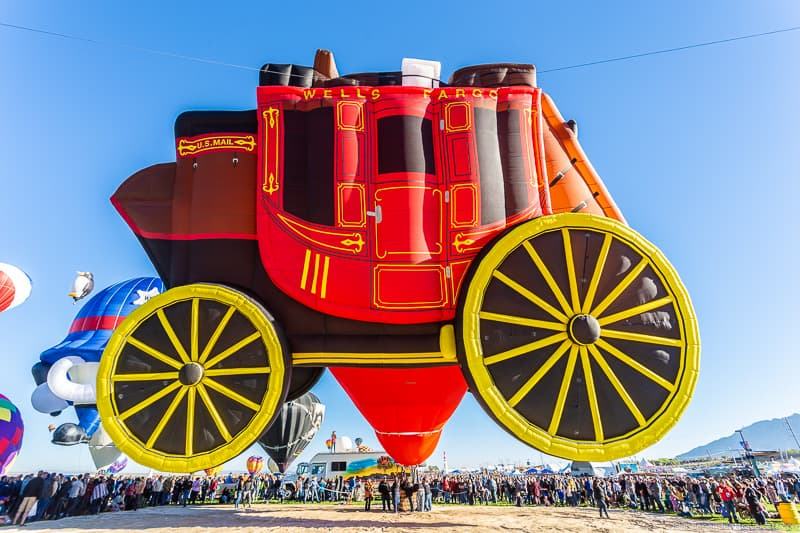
(338, 466)
(503, 180)
(308, 164)
(405, 144)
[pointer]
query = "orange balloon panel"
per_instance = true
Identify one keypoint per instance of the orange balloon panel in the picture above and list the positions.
(574, 184)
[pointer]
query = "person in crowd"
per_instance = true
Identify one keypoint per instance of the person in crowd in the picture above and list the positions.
(367, 494)
(30, 495)
(396, 495)
(383, 490)
(753, 498)
(599, 497)
(728, 496)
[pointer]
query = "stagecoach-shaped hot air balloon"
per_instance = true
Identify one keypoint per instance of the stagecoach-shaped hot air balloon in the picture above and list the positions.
(420, 239)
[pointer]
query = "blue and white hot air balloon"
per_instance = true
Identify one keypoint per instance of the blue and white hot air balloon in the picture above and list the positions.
(66, 373)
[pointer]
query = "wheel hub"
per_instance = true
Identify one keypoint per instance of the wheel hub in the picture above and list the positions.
(584, 329)
(191, 374)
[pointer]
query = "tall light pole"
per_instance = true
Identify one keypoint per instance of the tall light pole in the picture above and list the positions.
(788, 425)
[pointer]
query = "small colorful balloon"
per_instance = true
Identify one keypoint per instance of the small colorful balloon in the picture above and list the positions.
(11, 431)
(255, 464)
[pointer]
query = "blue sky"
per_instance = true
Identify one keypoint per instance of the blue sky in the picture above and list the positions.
(699, 148)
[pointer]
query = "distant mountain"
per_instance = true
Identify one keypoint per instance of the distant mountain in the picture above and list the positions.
(763, 435)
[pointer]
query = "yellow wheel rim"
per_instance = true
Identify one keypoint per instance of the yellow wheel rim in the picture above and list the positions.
(191, 378)
(579, 338)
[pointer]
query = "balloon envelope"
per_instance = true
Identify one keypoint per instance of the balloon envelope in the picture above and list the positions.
(255, 464)
(104, 453)
(95, 322)
(11, 431)
(44, 401)
(15, 286)
(293, 429)
(407, 423)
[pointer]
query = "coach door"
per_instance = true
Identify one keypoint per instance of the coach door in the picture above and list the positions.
(407, 208)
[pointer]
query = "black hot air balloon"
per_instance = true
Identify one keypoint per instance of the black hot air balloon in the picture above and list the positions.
(295, 426)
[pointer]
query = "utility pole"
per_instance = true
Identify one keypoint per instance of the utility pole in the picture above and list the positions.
(748, 453)
(789, 426)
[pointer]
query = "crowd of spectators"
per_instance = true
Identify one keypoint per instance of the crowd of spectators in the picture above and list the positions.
(50, 496)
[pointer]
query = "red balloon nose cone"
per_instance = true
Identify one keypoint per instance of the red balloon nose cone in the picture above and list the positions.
(407, 407)
(409, 449)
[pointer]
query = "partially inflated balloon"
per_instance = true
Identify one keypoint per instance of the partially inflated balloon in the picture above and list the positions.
(15, 286)
(11, 431)
(294, 428)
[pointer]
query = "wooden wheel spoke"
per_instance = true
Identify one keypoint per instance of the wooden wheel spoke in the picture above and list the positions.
(149, 401)
(167, 415)
(522, 321)
(598, 271)
(621, 286)
(190, 401)
(548, 277)
(640, 337)
(215, 336)
(235, 396)
(628, 360)
(591, 393)
(573, 284)
(531, 297)
(539, 374)
(155, 354)
(525, 348)
(555, 421)
(633, 311)
(212, 410)
(152, 376)
(193, 351)
(617, 384)
(176, 343)
(217, 359)
(246, 371)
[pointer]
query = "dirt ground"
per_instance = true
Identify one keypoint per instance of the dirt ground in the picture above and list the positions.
(295, 518)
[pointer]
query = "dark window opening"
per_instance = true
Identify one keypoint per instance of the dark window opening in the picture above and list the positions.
(405, 144)
(338, 466)
(504, 186)
(308, 164)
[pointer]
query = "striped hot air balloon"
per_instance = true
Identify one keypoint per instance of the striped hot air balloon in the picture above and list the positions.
(11, 430)
(15, 286)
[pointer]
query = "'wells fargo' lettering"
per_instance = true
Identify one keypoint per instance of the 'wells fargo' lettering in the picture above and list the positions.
(375, 94)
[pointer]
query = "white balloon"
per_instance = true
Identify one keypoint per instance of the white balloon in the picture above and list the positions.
(73, 379)
(82, 286)
(44, 401)
(344, 444)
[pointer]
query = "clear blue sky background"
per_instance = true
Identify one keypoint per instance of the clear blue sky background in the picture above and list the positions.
(699, 148)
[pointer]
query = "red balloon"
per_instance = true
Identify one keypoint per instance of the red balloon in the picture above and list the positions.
(407, 407)
(15, 286)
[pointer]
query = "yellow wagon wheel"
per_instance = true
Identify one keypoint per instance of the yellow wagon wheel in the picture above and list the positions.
(192, 378)
(578, 337)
